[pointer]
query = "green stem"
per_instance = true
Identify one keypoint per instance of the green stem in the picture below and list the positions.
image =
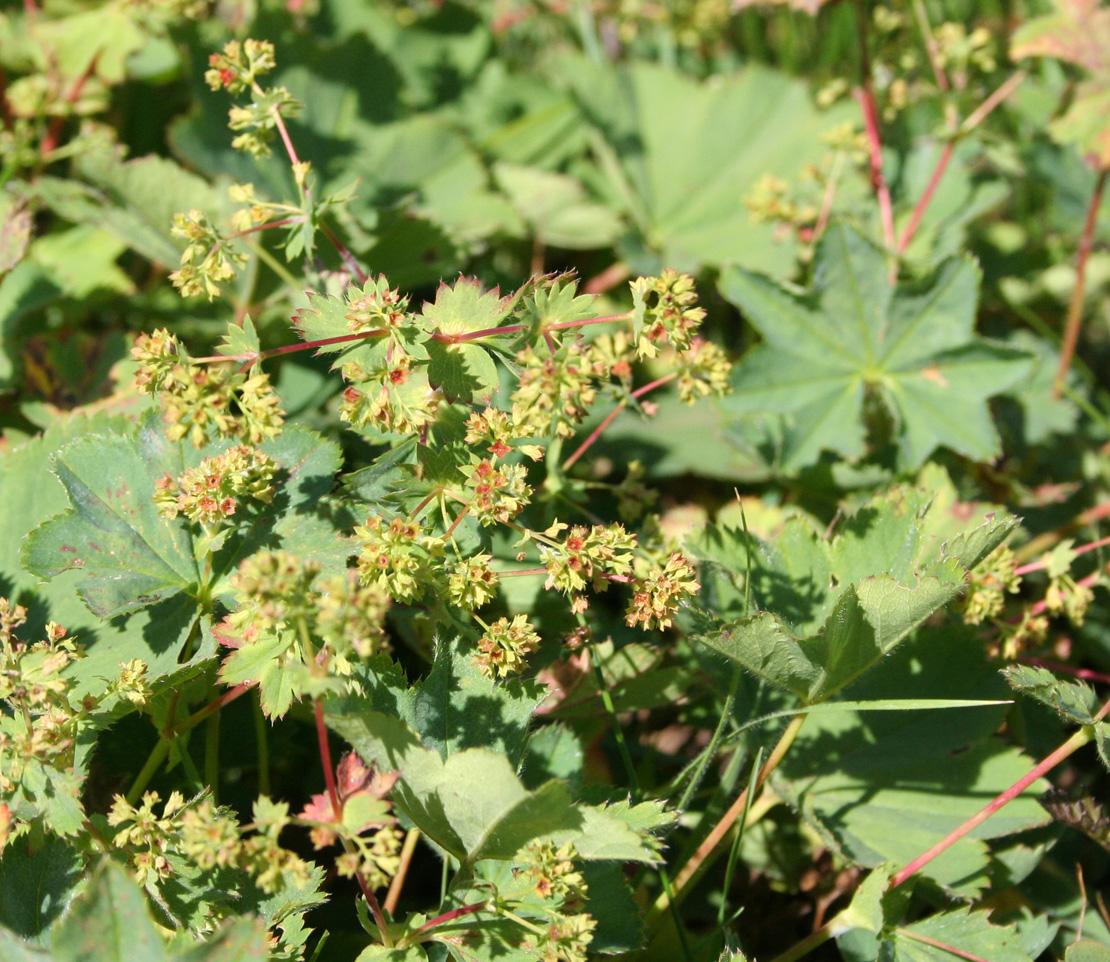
(701, 859)
(611, 711)
(153, 762)
(212, 754)
(739, 837)
(714, 743)
(816, 938)
(262, 741)
(273, 263)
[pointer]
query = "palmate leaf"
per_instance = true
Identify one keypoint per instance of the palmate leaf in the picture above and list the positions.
(110, 922)
(681, 158)
(853, 334)
(473, 804)
(326, 319)
(457, 707)
(835, 607)
(885, 786)
(129, 557)
(465, 371)
(970, 934)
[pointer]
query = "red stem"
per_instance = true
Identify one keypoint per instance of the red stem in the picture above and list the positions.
(959, 953)
(866, 98)
(225, 699)
(596, 432)
(1082, 549)
(1079, 738)
(50, 140)
(593, 436)
(652, 385)
(455, 523)
(975, 118)
(515, 328)
(607, 279)
(289, 148)
(325, 760)
(1084, 673)
(450, 916)
(980, 113)
(267, 226)
(337, 813)
(348, 257)
(926, 196)
(1075, 308)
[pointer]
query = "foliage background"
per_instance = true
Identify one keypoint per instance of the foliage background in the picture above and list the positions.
(893, 333)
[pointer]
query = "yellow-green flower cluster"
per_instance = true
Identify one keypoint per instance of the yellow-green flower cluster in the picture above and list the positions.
(988, 585)
(398, 557)
(503, 648)
(586, 556)
(554, 392)
(472, 582)
(669, 309)
(658, 596)
(496, 493)
(208, 259)
(204, 402)
(212, 492)
(375, 307)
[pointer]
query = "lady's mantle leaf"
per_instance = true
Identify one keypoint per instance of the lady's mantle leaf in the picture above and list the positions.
(837, 606)
(914, 348)
(465, 371)
(473, 804)
(130, 556)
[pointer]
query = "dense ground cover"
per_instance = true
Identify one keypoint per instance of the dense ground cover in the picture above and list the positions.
(504, 480)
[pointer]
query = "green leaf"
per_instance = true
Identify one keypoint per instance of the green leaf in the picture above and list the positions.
(263, 661)
(1087, 952)
(1072, 700)
(155, 636)
(1076, 32)
(109, 922)
(98, 41)
(884, 787)
(681, 157)
(473, 804)
(968, 933)
(129, 555)
(813, 639)
(134, 201)
(82, 260)
(464, 308)
(553, 751)
(912, 347)
(44, 790)
(457, 707)
(380, 953)
(466, 372)
(557, 209)
(36, 885)
(612, 905)
(240, 339)
(866, 908)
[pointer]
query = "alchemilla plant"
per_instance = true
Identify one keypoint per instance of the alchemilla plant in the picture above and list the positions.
(490, 481)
